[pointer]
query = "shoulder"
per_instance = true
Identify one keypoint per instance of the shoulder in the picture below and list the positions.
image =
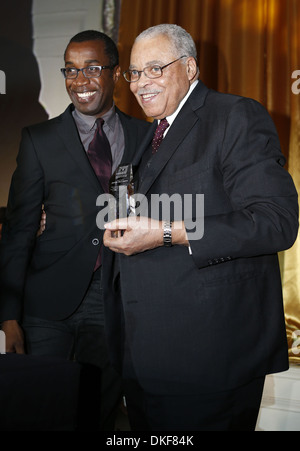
(43, 127)
(229, 101)
(216, 104)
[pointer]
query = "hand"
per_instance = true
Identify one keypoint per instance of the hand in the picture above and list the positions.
(138, 234)
(133, 235)
(42, 224)
(14, 337)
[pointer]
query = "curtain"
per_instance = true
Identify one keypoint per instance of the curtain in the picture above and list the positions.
(245, 47)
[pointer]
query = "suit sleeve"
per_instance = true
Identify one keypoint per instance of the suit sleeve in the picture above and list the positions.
(20, 228)
(264, 214)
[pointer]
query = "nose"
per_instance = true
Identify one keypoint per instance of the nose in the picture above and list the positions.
(81, 79)
(143, 80)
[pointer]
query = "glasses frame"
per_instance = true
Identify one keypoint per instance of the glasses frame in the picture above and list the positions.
(139, 72)
(63, 71)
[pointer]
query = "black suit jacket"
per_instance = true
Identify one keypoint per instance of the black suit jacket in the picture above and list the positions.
(48, 276)
(211, 320)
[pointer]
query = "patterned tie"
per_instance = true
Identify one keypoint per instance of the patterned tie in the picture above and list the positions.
(158, 136)
(99, 153)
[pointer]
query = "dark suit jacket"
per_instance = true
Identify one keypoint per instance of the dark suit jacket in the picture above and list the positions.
(211, 320)
(47, 277)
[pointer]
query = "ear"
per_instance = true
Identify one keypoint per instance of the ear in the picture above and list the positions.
(117, 73)
(192, 68)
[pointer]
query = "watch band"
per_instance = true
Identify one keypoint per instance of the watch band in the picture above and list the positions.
(167, 233)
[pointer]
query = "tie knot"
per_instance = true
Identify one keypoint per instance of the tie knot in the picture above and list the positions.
(99, 122)
(159, 132)
(163, 125)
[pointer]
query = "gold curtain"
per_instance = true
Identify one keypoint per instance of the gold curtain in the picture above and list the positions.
(245, 47)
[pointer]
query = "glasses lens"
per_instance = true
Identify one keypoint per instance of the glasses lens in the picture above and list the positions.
(92, 71)
(69, 72)
(153, 71)
(131, 76)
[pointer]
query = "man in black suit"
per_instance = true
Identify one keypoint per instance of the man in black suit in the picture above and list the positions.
(50, 290)
(200, 298)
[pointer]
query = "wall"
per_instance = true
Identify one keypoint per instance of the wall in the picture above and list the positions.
(54, 23)
(19, 97)
(32, 88)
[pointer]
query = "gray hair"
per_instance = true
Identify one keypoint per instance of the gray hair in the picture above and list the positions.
(180, 39)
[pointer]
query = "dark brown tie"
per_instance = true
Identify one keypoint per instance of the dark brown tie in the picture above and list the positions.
(159, 133)
(99, 153)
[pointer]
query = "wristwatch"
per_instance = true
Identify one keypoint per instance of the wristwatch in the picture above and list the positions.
(167, 233)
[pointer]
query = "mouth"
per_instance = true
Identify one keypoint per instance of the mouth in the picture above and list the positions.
(148, 96)
(84, 97)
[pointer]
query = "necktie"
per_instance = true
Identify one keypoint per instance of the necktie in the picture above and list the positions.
(99, 154)
(158, 136)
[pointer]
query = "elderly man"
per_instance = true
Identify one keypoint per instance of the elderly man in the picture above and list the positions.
(202, 313)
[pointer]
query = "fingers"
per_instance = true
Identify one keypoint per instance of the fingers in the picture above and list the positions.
(133, 223)
(117, 224)
(19, 348)
(14, 337)
(42, 224)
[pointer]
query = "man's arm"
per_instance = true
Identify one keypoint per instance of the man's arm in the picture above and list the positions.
(20, 229)
(263, 219)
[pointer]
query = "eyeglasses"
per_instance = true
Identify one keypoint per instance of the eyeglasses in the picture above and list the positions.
(88, 72)
(153, 71)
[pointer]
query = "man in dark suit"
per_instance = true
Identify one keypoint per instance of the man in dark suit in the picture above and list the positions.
(202, 308)
(50, 284)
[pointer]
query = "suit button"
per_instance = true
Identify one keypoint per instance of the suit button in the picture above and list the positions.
(95, 242)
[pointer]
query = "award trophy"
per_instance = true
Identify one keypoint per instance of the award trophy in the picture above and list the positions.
(121, 186)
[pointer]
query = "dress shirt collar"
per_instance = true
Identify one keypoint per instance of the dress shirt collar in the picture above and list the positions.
(86, 123)
(173, 116)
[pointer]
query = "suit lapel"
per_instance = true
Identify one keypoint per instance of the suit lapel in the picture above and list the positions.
(178, 131)
(145, 144)
(67, 130)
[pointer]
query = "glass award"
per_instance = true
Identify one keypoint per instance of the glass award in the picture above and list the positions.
(121, 186)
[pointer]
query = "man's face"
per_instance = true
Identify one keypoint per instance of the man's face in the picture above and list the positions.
(91, 96)
(160, 97)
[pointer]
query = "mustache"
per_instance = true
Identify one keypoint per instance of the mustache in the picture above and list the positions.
(142, 92)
